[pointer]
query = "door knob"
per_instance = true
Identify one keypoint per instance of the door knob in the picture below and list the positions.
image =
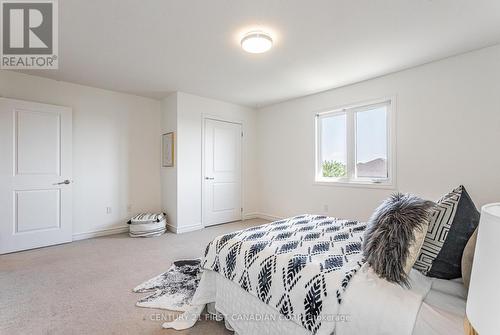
(209, 178)
(66, 182)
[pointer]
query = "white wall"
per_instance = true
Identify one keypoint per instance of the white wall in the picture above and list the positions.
(116, 148)
(190, 111)
(448, 133)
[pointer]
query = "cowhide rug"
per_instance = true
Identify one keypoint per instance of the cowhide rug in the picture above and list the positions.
(174, 289)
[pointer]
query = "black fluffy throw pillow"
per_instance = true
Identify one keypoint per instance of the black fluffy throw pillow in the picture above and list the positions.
(395, 233)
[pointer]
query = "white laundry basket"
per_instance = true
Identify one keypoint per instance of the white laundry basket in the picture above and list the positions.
(147, 225)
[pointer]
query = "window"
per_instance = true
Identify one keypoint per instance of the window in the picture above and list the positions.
(354, 145)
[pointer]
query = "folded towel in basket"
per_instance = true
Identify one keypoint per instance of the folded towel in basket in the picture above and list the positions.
(146, 218)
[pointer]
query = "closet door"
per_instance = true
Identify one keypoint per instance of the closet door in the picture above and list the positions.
(222, 175)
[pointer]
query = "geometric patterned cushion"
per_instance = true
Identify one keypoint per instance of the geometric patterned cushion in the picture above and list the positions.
(453, 222)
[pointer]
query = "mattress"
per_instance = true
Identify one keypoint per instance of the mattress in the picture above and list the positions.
(441, 313)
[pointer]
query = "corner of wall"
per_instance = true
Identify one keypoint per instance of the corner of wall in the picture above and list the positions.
(168, 177)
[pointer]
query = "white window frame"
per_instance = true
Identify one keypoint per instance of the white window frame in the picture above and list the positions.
(350, 179)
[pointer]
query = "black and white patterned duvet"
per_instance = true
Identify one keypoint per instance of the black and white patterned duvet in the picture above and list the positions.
(300, 266)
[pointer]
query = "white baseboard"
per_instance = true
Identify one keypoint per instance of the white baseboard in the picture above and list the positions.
(101, 232)
(263, 216)
(245, 216)
(249, 216)
(174, 229)
(184, 229)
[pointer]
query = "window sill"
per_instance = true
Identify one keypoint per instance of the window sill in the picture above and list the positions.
(355, 184)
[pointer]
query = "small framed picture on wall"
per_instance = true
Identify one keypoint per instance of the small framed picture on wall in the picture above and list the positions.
(167, 149)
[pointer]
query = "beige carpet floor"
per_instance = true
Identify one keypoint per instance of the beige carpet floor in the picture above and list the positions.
(85, 287)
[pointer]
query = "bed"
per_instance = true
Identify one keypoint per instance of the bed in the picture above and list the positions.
(251, 286)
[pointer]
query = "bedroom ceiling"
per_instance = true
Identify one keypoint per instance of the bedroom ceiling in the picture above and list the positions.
(155, 47)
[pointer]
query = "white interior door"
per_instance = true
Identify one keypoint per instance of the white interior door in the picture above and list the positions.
(222, 175)
(35, 175)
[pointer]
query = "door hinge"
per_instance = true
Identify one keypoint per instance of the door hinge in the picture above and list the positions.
(241, 209)
(241, 134)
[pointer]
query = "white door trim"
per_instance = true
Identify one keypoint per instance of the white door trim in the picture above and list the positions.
(204, 117)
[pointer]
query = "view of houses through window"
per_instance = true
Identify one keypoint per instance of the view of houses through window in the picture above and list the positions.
(353, 143)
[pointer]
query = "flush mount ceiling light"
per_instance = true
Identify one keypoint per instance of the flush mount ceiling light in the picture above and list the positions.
(256, 42)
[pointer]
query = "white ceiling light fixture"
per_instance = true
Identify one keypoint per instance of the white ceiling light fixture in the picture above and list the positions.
(256, 42)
